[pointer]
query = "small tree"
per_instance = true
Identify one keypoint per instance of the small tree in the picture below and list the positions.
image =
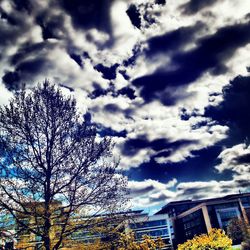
(6, 229)
(235, 230)
(54, 165)
(216, 239)
(239, 231)
(122, 241)
(127, 242)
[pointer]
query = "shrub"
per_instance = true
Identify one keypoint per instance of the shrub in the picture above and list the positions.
(239, 231)
(216, 239)
(235, 230)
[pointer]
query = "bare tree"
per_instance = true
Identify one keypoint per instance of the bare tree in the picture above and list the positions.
(54, 165)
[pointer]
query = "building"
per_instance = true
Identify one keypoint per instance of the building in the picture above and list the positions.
(24, 238)
(174, 223)
(141, 223)
(92, 230)
(155, 226)
(7, 231)
(192, 218)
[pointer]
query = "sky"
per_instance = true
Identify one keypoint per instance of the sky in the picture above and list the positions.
(168, 80)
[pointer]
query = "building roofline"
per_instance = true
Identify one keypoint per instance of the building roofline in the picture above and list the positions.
(200, 205)
(189, 201)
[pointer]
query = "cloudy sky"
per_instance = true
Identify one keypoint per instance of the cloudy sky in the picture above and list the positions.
(169, 80)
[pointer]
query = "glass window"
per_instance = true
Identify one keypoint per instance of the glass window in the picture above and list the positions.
(153, 233)
(226, 205)
(148, 224)
(225, 215)
(245, 201)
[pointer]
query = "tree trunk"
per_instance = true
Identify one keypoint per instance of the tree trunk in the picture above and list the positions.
(47, 243)
(47, 226)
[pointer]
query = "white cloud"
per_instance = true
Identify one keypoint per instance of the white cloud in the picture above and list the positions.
(153, 120)
(126, 36)
(5, 95)
(149, 192)
(230, 159)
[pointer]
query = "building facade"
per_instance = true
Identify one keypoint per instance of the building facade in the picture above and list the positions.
(175, 223)
(7, 231)
(192, 218)
(154, 226)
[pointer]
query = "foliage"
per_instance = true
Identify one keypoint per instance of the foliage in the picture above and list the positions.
(246, 239)
(6, 229)
(127, 242)
(239, 231)
(49, 156)
(235, 230)
(216, 239)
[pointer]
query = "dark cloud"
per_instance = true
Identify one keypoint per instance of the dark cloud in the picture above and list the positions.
(25, 72)
(162, 154)
(85, 55)
(161, 2)
(23, 5)
(8, 36)
(200, 124)
(29, 50)
(200, 167)
(144, 15)
(167, 84)
(11, 80)
(89, 13)
(243, 159)
(107, 131)
(12, 26)
(124, 74)
(194, 6)
(107, 72)
(141, 191)
(134, 15)
(210, 55)
(32, 66)
(77, 58)
(51, 25)
(185, 115)
(234, 109)
(26, 69)
(132, 146)
(99, 91)
(127, 91)
(172, 40)
(195, 192)
(242, 183)
(112, 108)
(115, 109)
(247, 16)
(160, 198)
(149, 14)
(10, 19)
(103, 130)
(136, 52)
